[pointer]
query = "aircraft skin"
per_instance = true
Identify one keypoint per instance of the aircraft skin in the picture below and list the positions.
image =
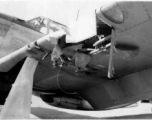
(131, 81)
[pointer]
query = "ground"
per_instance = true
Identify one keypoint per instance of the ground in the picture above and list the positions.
(41, 110)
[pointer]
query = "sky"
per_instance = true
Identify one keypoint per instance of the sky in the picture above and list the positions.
(63, 11)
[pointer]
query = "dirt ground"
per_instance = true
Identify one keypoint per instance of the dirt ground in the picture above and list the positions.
(41, 110)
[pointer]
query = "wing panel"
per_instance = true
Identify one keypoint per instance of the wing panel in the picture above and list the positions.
(17, 37)
(134, 14)
(148, 7)
(4, 27)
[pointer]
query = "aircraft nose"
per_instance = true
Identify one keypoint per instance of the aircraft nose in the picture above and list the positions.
(112, 12)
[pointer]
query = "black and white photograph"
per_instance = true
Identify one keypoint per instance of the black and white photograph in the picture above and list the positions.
(75, 59)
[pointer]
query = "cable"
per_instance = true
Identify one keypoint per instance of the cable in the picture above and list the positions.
(58, 82)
